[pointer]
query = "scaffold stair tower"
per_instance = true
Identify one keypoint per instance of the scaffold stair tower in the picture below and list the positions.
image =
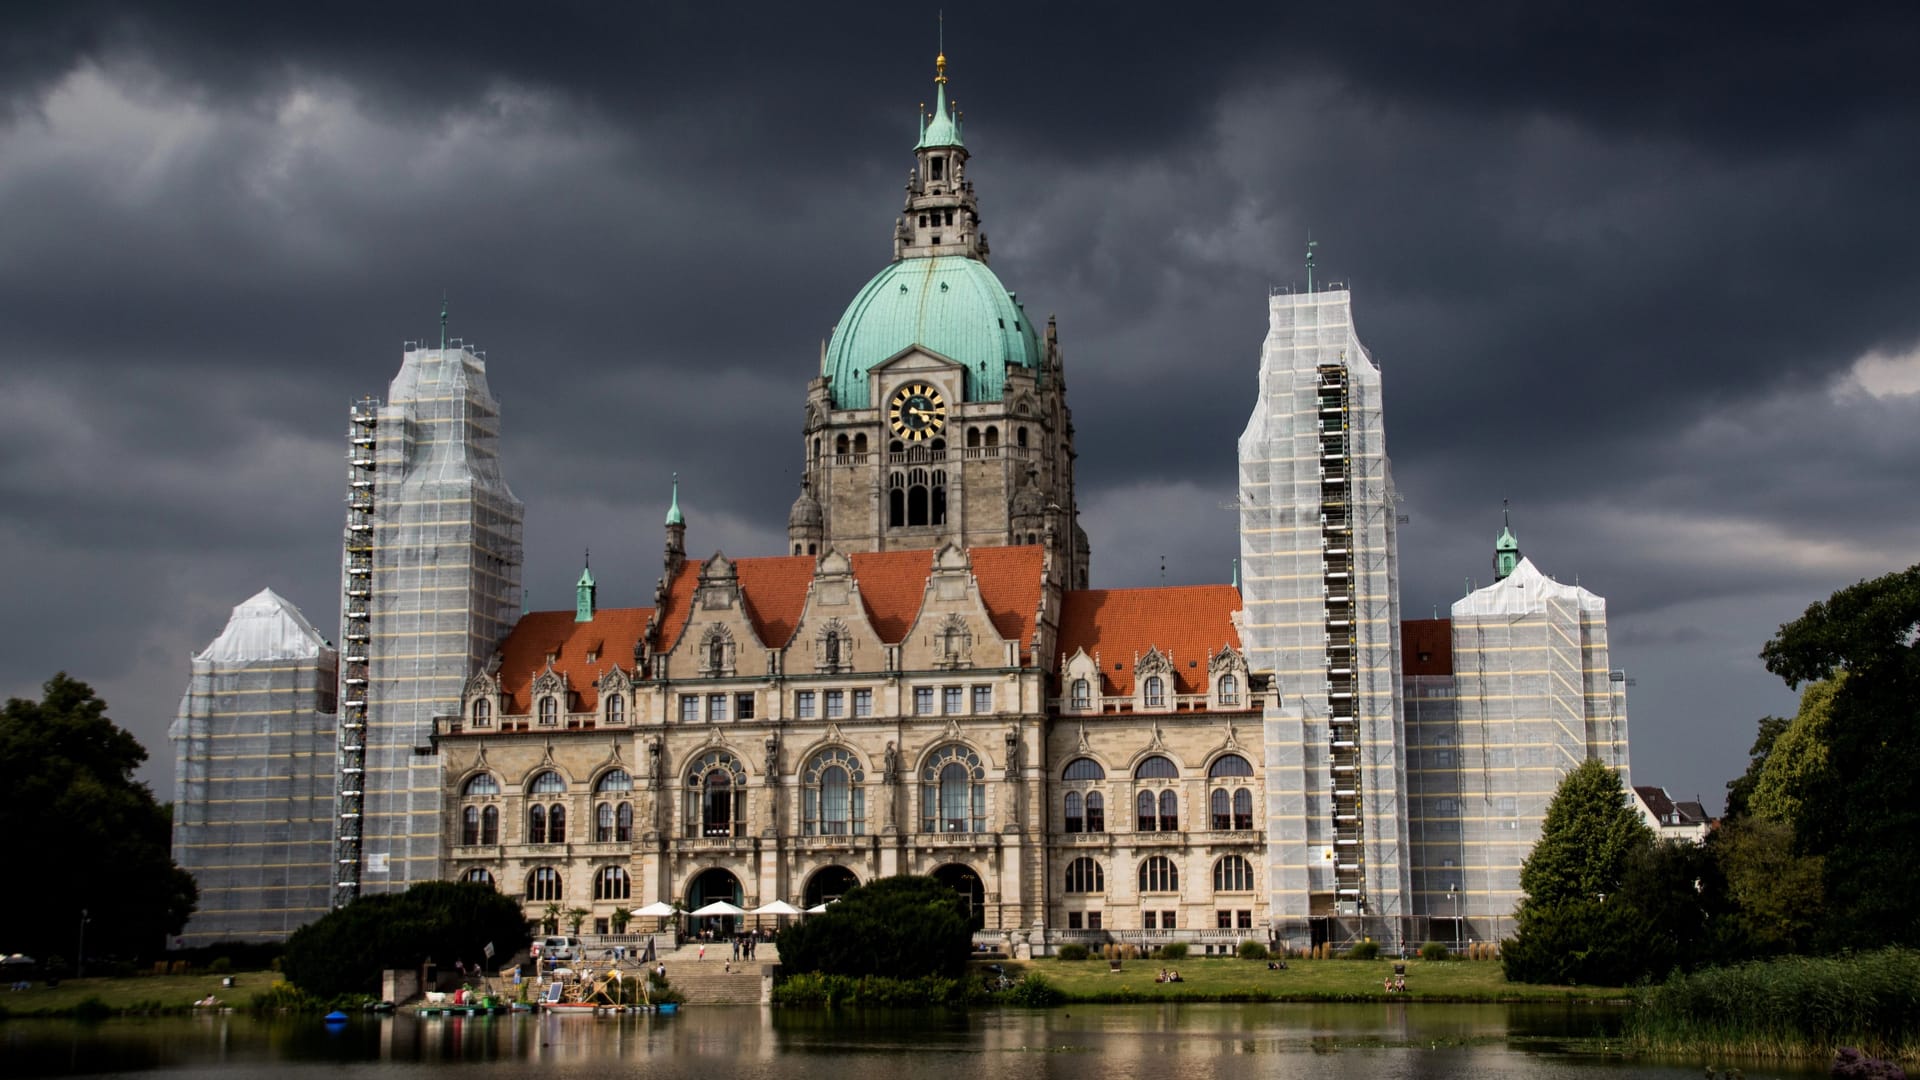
(356, 648)
(1345, 777)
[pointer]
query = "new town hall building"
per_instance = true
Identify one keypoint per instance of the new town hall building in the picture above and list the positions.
(923, 682)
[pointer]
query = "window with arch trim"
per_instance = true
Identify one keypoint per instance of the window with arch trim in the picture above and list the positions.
(543, 883)
(1085, 876)
(616, 709)
(482, 713)
(1230, 765)
(470, 825)
(1076, 812)
(1083, 768)
(834, 801)
(1155, 692)
(612, 883)
(1232, 874)
(489, 825)
(953, 792)
(1169, 811)
(1229, 690)
(1082, 694)
(547, 783)
(549, 711)
(1096, 812)
(1159, 875)
(477, 876)
(717, 796)
(1156, 767)
(481, 784)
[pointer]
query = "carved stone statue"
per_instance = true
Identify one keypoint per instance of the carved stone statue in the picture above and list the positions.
(890, 770)
(1013, 753)
(773, 757)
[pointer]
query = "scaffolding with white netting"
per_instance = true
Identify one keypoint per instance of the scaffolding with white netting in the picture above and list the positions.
(430, 587)
(1320, 590)
(1532, 695)
(253, 747)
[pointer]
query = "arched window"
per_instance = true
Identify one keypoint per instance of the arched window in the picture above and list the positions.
(536, 824)
(1243, 809)
(1076, 812)
(1169, 811)
(549, 711)
(953, 792)
(1096, 812)
(1232, 874)
(489, 824)
(717, 793)
(543, 883)
(1020, 436)
(614, 780)
(482, 784)
(973, 437)
(1083, 768)
(1158, 874)
(1085, 876)
(616, 709)
(840, 446)
(1229, 690)
(860, 443)
(477, 876)
(482, 712)
(547, 783)
(1082, 694)
(834, 802)
(917, 497)
(623, 823)
(1144, 818)
(603, 823)
(1156, 692)
(993, 438)
(939, 512)
(1230, 765)
(1220, 805)
(556, 824)
(470, 825)
(612, 883)
(1156, 767)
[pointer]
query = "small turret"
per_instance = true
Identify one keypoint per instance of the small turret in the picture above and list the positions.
(676, 532)
(1506, 549)
(806, 524)
(585, 593)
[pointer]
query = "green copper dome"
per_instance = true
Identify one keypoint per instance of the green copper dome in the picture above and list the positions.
(946, 304)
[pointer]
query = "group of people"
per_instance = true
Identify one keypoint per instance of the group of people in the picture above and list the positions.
(1168, 975)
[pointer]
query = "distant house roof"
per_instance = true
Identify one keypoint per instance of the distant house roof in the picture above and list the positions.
(1187, 622)
(1667, 811)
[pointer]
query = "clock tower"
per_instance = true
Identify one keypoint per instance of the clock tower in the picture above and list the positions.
(940, 412)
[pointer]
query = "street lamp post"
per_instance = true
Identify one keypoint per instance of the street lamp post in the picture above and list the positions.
(80, 953)
(1453, 894)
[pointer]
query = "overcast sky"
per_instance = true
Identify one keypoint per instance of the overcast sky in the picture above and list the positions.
(1649, 272)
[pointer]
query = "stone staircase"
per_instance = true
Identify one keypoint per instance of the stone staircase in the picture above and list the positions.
(708, 982)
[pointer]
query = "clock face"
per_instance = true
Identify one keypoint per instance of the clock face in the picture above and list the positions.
(917, 411)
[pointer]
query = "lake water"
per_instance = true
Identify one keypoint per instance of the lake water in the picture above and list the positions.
(1108, 1042)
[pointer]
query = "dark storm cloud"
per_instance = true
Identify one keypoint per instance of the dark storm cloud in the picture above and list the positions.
(1616, 264)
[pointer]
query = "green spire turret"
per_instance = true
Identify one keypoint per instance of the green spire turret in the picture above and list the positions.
(585, 593)
(943, 127)
(674, 517)
(1506, 549)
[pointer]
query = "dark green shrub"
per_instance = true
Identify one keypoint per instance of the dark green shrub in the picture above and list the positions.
(1072, 952)
(345, 951)
(220, 966)
(1363, 950)
(831, 991)
(92, 1008)
(1174, 950)
(900, 927)
(1253, 950)
(1433, 950)
(1035, 992)
(284, 997)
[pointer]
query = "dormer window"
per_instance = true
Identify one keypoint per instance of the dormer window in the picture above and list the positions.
(1229, 690)
(1082, 694)
(482, 713)
(1156, 692)
(549, 711)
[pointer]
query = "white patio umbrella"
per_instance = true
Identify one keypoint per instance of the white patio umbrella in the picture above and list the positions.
(719, 907)
(655, 910)
(816, 909)
(778, 907)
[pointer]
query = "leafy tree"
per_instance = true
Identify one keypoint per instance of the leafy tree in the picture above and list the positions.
(1799, 764)
(345, 951)
(902, 927)
(1567, 930)
(1860, 811)
(1768, 900)
(81, 833)
(1740, 791)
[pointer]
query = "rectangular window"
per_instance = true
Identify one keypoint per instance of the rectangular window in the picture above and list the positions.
(1223, 920)
(836, 704)
(1443, 758)
(1073, 920)
(953, 700)
(1246, 921)
(1166, 920)
(743, 706)
(863, 703)
(1093, 920)
(1148, 919)
(599, 926)
(1507, 805)
(689, 708)
(982, 700)
(803, 704)
(716, 706)
(923, 701)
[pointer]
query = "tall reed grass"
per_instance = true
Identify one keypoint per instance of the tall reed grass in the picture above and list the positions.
(1794, 1007)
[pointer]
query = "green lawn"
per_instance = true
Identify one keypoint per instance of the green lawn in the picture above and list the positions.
(135, 993)
(1227, 978)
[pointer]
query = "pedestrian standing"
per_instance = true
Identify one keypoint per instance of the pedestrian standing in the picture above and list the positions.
(703, 951)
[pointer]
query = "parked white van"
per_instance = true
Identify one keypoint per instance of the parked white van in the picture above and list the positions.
(556, 949)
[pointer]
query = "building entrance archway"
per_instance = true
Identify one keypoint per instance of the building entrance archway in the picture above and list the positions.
(962, 879)
(829, 883)
(711, 885)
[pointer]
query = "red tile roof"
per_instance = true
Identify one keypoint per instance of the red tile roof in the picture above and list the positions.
(1428, 638)
(610, 637)
(1011, 580)
(1187, 621)
(892, 584)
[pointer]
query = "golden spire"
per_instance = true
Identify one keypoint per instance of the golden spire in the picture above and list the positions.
(940, 68)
